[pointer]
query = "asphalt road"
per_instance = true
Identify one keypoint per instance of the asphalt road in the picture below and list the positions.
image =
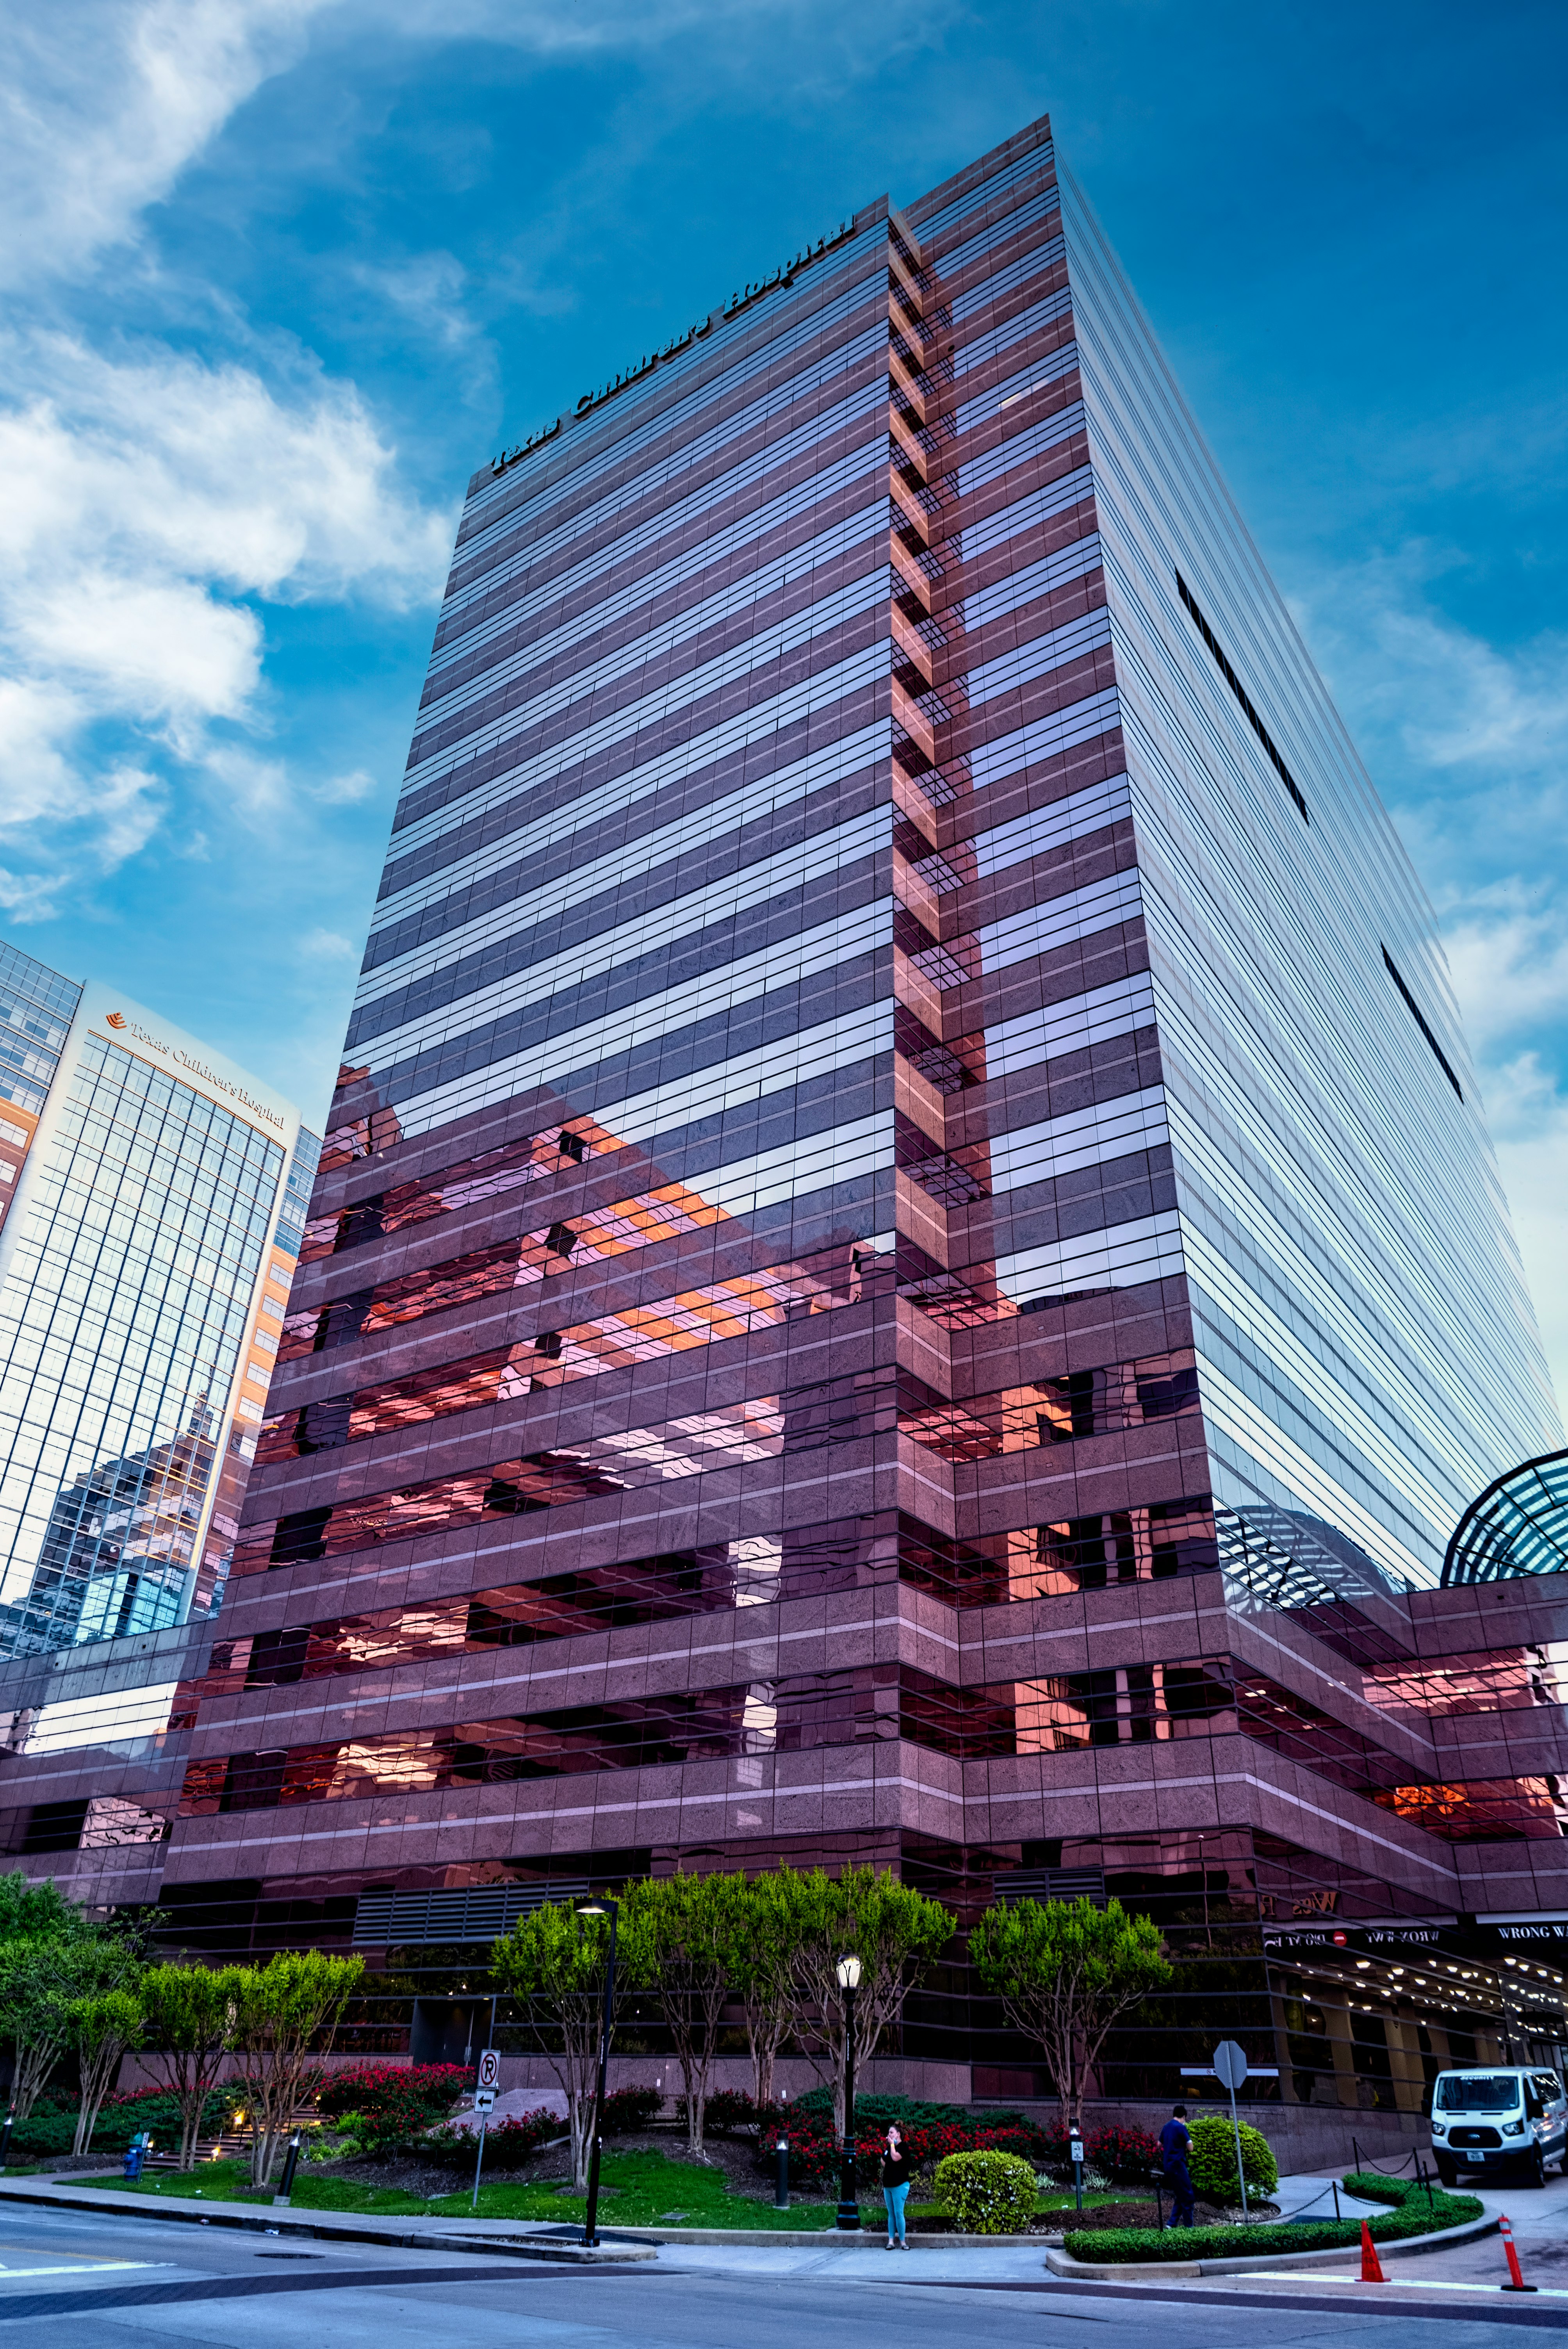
(130, 2284)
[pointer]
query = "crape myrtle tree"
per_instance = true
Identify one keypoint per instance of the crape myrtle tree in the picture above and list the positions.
(100, 2027)
(1065, 1972)
(678, 1939)
(282, 2018)
(552, 1963)
(188, 2011)
(36, 1926)
(765, 1932)
(42, 1984)
(894, 1930)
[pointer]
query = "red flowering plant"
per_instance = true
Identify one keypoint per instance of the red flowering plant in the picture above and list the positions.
(1124, 2153)
(392, 2103)
(508, 2144)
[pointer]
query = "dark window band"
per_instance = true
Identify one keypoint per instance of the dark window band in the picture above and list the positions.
(1239, 689)
(1416, 1013)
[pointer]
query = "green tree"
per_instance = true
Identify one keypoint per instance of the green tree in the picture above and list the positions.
(39, 1982)
(32, 2016)
(552, 1965)
(766, 1931)
(31, 1909)
(100, 2028)
(895, 1931)
(681, 1933)
(1065, 1972)
(188, 2008)
(282, 2019)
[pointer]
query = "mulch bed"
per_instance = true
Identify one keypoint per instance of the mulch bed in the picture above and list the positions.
(736, 2157)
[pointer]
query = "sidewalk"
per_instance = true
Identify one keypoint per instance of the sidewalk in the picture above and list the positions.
(518, 2238)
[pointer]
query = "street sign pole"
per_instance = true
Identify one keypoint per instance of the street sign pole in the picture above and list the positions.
(1230, 2069)
(484, 2098)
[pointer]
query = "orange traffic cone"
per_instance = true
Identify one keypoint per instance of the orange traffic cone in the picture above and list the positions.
(1505, 2229)
(1371, 2270)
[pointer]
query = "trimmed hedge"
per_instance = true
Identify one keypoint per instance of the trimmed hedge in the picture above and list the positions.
(1212, 2163)
(987, 2193)
(1411, 2215)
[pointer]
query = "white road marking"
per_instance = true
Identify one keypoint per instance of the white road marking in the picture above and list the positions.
(85, 2266)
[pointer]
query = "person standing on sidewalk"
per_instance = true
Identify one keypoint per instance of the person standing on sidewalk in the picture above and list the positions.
(1175, 2144)
(895, 2189)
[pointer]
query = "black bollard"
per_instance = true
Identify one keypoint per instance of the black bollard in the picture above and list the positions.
(1160, 2202)
(5, 2139)
(285, 2183)
(781, 2175)
(1335, 2183)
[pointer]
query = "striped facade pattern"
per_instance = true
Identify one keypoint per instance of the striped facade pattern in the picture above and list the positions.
(833, 1320)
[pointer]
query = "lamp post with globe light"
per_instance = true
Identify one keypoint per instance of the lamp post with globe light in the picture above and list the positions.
(611, 1908)
(848, 1973)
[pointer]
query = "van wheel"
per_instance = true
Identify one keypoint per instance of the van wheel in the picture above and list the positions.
(1535, 2170)
(1449, 2172)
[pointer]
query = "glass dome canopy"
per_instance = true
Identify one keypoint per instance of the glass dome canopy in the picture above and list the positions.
(1518, 1526)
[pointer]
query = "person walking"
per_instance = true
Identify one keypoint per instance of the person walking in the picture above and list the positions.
(1175, 2144)
(895, 2189)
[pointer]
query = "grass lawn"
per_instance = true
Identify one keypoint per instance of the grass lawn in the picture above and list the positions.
(636, 2190)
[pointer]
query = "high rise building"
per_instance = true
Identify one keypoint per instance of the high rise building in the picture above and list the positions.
(153, 1213)
(907, 1264)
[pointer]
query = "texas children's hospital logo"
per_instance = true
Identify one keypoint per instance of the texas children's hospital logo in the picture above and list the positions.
(123, 1026)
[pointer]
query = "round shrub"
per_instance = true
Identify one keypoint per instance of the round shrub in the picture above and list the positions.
(986, 2193)
(1125, 2153)
(1213, 2160)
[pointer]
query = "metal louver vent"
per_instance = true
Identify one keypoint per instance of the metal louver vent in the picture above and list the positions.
(476, 1912)
(1053, 1884)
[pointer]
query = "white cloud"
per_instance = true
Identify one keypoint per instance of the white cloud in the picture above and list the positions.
(102, 105)
(1529, 1116)
(1508, 952)
(1474, 734)
(327, 945)
(1468, 741)
(142, 496)
(346, 790)
(429, 289)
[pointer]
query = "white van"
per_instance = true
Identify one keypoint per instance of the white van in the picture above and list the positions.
(1499, 2119)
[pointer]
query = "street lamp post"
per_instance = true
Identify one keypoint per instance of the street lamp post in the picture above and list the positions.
(849, 1972)
(611, 1908)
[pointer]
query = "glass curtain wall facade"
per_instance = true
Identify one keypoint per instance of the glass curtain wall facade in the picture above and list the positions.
(907, 1264)
(131, 1265)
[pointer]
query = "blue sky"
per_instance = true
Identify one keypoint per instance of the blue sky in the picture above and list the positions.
(278, 273)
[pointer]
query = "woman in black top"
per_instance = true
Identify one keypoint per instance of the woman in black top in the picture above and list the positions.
(895, 2189)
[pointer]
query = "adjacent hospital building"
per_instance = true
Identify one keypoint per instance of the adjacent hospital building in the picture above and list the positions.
(907, 1264)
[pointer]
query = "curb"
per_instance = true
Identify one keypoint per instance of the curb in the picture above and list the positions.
(543, 2244)
(1062, 2263)
(324, 2226)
